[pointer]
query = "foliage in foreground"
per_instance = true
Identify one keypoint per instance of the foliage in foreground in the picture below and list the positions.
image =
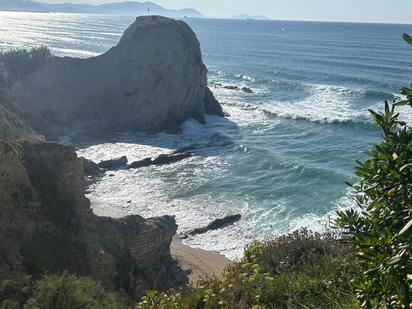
(382, 231)
(57, 292)
(299, 270)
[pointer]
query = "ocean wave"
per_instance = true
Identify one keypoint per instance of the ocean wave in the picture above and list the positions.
(332, 104)
(74, 52)
(324, 223)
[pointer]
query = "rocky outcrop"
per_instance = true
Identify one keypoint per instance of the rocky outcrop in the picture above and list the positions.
(113, 163)
(91, 168)
(231, 87)
(163, 159)
(46, 224)
(153, 80)
(12, 127)
(214, 225)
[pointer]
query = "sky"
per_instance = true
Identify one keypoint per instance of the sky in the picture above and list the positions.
(395, 11)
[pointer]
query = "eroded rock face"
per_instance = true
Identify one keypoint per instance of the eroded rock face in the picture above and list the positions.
(46, 224)
(12, 127)
(153, 80)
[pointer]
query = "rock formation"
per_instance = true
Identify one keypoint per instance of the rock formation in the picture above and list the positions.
(214, 225)
(163, 159)
(152, 80)
(12, 127)
(46, 224)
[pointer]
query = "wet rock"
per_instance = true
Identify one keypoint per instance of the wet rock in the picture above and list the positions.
(214, 225)
(113, 163)
(162, 159)
(231, 87)
(212, 106)
(247, 90)
(90, 168)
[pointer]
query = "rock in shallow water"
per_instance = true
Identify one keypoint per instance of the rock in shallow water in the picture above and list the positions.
(214, 225)
(113, 163)
(161, 160)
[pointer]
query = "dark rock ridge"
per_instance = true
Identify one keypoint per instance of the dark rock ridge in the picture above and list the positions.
(231, 87)
(152, 80)
(163, 159)
(214, 225)
(113, 163)
(46, 224)
(91, 168)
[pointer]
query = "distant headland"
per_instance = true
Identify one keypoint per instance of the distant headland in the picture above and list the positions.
(250, 17)
(130, 8)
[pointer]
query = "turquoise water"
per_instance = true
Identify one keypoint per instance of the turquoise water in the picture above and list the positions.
(283, 156)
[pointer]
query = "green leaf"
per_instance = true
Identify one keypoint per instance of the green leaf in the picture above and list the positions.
(394, 260)
(405, 228)
(409, 165)
(407, 38)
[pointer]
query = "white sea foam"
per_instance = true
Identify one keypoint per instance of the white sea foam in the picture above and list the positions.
(324, 103)
(74, 52)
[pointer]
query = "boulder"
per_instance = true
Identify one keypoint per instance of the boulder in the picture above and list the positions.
(231, 87)
(162, 159)
(90, 168)
(214, 225)
(246, 90)
(152, 80)
(113, 164)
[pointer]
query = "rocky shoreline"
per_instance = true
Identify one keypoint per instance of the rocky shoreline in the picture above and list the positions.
(153, 80)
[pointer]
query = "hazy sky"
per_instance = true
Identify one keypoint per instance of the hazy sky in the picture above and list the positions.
(340, 10)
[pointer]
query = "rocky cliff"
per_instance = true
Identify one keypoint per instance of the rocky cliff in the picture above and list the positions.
(46, 224)
(153, 80)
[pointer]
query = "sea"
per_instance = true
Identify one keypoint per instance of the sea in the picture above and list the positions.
(283, 156)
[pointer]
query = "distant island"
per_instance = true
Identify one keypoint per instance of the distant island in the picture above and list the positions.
(132, 8)
(247, 16)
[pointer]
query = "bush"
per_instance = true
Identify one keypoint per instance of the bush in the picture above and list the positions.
(57, 292)
(15, 293)
(382, 230)
(299, 270)
(14, 64)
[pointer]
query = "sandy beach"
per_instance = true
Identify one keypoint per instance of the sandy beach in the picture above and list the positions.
(201, 263)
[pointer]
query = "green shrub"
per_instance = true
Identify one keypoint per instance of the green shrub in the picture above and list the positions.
(15, 293)
(382, 230)
(57, 292)
(14, 64)
(299, 270)
(68, 291)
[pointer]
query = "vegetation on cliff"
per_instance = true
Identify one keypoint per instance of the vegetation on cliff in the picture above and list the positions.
(17, 63)
(300, 270)
(371, 267)
(382, 231)
(57, 292)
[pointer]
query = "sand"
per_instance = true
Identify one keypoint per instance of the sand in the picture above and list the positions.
(201, 263)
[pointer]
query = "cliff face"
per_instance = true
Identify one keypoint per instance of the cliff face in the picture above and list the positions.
(46, 224)
(153, 80)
